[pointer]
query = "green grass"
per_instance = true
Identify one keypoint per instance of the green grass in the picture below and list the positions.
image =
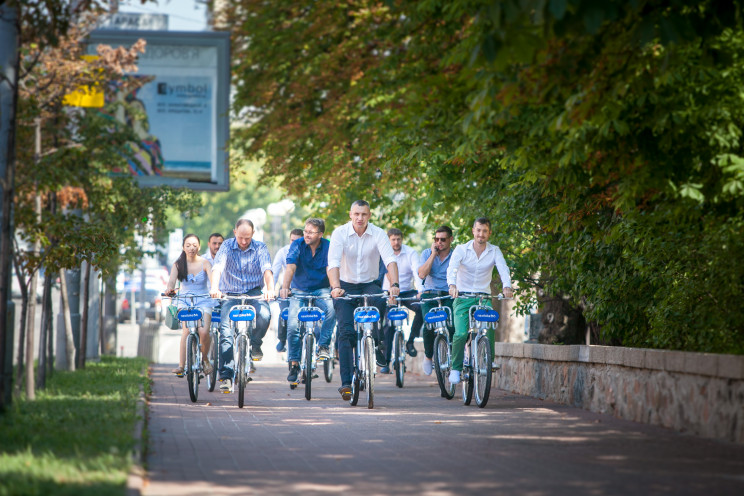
(77, 437)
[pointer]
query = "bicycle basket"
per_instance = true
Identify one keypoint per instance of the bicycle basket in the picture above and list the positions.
(171, 318)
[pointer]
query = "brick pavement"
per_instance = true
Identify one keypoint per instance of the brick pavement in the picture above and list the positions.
(412, 443)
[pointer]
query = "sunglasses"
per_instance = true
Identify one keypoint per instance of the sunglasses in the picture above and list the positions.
(440, 240)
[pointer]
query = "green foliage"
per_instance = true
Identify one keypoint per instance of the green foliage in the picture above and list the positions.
(76, 438)
(603, 140)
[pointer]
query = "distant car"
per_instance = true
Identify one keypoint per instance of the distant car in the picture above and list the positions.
(153, 305)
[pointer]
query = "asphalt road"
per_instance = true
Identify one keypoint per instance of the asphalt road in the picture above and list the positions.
(413, 442)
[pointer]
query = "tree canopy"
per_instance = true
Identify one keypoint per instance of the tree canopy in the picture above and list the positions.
(603, 140)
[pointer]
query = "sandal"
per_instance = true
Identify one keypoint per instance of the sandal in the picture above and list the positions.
(206, 368)
(178, 371)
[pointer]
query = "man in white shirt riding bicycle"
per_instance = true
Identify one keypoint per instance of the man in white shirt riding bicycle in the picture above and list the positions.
(470, 271)
(353, 266)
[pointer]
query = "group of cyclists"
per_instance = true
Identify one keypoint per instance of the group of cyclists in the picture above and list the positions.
(360, 258)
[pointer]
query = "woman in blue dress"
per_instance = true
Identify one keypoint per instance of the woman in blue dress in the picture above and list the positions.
(195, 276)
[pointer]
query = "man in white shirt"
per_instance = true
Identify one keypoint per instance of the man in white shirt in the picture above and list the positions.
(470, 271)
(353, 266)
(213, 246)
(280, 263)
(410, 286)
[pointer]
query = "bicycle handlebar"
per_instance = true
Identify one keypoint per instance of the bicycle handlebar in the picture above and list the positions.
(499, 296)
(360, 296)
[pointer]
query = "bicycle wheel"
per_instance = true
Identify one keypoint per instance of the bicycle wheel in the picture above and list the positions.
(399, 357)
(214, 362)
(369, 371)
(309, 345)
(240, 365)
(442, 367)
(328, 366)
(192, 365)
(482, 371)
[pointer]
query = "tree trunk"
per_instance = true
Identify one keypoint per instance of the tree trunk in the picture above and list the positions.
(70, 340)
(20, 361)
(84, 318)
(44, 332)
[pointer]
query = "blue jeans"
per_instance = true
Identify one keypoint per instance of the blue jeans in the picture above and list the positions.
(281, 324)
(294, 345)
(347, 336)
(263, 319)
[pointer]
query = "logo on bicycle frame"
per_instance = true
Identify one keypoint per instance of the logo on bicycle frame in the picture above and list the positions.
(397, 314)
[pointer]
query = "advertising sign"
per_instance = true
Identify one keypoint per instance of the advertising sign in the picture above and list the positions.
(183, 138)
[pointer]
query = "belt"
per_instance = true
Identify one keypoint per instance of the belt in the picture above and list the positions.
(245, 292)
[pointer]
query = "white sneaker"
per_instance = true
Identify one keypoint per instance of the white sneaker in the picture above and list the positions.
(427, 366)
(454, 377)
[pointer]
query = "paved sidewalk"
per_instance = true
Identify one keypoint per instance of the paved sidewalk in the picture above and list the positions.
(413, 442)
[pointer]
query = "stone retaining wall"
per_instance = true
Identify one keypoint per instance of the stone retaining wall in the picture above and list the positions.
(692, 392)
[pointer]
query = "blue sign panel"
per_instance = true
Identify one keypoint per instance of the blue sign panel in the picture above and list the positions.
(189, 315)
(216, 316)
(310, 315)
(483, 315)
(285, 314)
(367, 316)
(242, 315)
(397, 314)
(434, 316)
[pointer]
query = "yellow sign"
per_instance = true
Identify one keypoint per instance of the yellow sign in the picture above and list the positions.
(86, 96)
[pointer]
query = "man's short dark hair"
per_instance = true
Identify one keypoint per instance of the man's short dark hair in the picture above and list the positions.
(244, 221)
(394, 232)
(318, 224)
(444, 229)
(360, 203)
(296, 232)
(483, 221)
(215, 235)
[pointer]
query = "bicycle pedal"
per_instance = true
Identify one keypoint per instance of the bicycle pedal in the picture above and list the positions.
(256, 359)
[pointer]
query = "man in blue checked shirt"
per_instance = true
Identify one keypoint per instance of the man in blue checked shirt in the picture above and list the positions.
(307, 260)
(242, 266)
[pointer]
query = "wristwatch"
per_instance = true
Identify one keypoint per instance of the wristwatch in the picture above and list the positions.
(395, 285)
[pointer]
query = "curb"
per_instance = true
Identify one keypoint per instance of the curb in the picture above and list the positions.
(136, 477)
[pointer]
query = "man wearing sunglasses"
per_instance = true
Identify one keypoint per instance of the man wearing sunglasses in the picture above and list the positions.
(433, 270)
(306, 274)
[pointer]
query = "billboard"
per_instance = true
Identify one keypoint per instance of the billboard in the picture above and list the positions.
(184, 137)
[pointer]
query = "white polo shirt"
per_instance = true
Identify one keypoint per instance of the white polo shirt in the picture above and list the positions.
(472, 274)
(280, 262)
(408, 265)
(208, 256)
(358, 257)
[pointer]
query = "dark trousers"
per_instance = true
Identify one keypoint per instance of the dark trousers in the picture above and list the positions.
(428, 334)
(347, 336)
(415, 326)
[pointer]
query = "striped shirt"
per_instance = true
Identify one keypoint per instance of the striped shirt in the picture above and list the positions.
(242, 270)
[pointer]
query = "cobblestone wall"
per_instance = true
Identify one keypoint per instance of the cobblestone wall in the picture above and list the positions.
(691, 392)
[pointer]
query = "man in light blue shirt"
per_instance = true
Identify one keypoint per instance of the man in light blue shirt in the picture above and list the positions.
(241, 266)
(432, 269)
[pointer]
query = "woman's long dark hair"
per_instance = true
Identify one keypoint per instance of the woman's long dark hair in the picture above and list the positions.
(181, 265)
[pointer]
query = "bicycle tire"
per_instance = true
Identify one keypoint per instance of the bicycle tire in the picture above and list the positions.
(399, 357)
(467, 375)
(240, 370)
(354, 389)
(192, 372)
(328, 366)
(213, 361)
(370, 371)
(442, 367)
(482, 371)
(309, 344)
